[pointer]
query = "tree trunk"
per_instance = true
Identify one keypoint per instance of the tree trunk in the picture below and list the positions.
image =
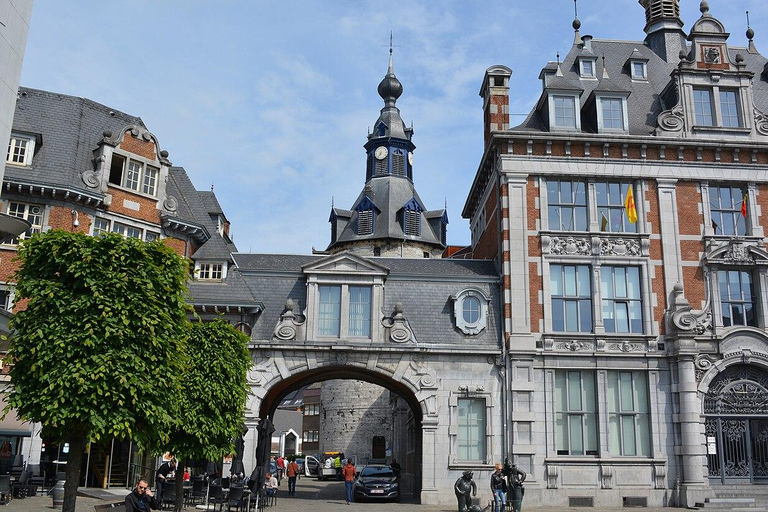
(179, 484)
(75, 459)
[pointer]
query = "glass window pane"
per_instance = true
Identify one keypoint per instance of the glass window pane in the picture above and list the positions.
(580, 215)
(590, 434)
(602, 193)
(614, 435)
(566, 194)
(641, 391)
(612, 391)
(556, 279)
(558, 316)
(620, 281)
(585, 315)
(561, 432)
(330, 310)
(360, 311)
(722, 278)
(570, 281)
(584, 285)
(566, 215)
(614, 194)
(553, 192)
(609, 318)
(574, 391)
(627, 393)
(588, 382)
(636, 316)
(643, 435)
(580, 194)
(622, 316)
(554, 217)
(561, 391)
(576, 435)
(633, 283)
(628, 435)
(571, 316)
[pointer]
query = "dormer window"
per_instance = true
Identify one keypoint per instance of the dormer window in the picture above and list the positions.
(612, 114)
(133, 175)
(639, 70)
(724, 113)
(587, 68)
(365, 216)
(470, 309)
(412, 218)
(563, 112)
(20, 150)
(210, 272)
(398, 162)
(702, 104)
(729, 108)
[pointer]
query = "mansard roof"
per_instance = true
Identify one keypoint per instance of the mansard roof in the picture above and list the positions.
(232, 292)
(423, 286)
(68, 129)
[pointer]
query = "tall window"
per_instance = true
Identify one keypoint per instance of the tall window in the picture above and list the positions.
(611, 213)
(702, 104)
(471, 429)
(32, 213)
(575, 413)
(360, 311)
(565, 111)
(330, 310)
(729, 109)
(470, 310)
(571, 298)
(398, 162)
(567, 205)
(726, 207)
(150, 179)
(737, 298)
(628, 420)
(613, 113)
(622, 306)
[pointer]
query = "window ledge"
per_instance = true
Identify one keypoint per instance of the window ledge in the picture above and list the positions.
(18, 165)
(457, 464)
(721, 129)
(131, 191)
(613, 460)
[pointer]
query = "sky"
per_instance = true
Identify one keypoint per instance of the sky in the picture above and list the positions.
(270, 102)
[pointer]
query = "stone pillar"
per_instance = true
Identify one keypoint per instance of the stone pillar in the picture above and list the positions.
(251, 439)
(429, 458)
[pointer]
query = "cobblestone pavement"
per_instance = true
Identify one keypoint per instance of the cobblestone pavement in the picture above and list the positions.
(311, 496)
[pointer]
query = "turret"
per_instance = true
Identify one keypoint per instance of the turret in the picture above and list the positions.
(664, 28)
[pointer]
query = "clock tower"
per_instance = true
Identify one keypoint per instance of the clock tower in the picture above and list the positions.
(388, 218)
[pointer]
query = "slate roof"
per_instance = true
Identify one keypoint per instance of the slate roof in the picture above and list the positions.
(70, 128)
(231, 292)
(424, 286)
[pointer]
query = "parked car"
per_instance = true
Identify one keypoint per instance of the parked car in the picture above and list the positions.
(376, 481)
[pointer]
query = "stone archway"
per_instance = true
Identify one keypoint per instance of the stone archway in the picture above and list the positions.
(278, 372)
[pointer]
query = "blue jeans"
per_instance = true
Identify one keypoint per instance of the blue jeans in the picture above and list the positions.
(499, 500)
(291, 485)
(348, 488)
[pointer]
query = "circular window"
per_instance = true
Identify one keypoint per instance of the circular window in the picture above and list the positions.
(471, 310)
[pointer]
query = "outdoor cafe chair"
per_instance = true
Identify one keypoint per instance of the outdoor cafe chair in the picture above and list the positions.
(5, 489)
(235, 498)
(216, 496)
(169, 494)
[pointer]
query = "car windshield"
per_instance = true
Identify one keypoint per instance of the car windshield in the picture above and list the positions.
(383, 472)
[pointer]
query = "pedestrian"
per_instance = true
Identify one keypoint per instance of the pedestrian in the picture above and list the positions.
(293, 472)
(280, 467)
(271, 484)
(337, 465)
(163, 473)
(395, 467)
(141, 498)
(499, 489)
(349, 479)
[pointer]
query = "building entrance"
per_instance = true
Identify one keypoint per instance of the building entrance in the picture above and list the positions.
(736, 426)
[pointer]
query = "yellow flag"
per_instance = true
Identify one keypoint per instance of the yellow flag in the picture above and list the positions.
(629, 206)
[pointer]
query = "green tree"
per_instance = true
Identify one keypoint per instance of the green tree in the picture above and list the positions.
(96, 350)
(213, 395)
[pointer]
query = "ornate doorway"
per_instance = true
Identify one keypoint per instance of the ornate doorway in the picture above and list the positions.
(736, 425)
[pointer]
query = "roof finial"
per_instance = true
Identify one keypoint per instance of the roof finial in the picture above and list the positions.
(391, 70)
(331, 202)
(605, 71)
(750, 35)
(576, 24)
(211, 186)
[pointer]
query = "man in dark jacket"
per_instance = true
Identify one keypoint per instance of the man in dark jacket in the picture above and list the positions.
(163, 473)
(141, 499)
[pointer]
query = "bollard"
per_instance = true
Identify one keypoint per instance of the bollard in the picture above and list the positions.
(58, 494)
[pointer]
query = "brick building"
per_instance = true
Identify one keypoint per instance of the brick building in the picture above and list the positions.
(636, 349)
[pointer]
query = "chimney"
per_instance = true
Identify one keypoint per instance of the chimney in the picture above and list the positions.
(495, 94)
(664, 28)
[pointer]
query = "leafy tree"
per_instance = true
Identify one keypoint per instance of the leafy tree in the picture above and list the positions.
(96, 350)
(213, 395)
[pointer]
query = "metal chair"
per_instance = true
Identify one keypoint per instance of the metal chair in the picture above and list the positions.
(5, 489)
(235, 498)
(216, 497)
(21, 487)
(169, 494)
(198, 491)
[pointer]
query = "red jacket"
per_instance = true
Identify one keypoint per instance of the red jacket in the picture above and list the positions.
(348, 472)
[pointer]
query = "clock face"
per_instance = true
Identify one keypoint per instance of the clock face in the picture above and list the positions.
(381, 153)
(410, 158)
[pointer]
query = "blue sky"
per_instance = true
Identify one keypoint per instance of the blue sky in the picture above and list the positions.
(271, 101)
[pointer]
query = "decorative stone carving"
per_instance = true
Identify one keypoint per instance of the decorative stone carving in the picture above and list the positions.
(625, 346)
(619, 247)
(738, 253)
(703, 364)
(660, 476)
(549, 344)
(574, 346)
(289, 325)
(606, 476)
(91, 179)
(683, 318)
(672, 120)
(170, 203)
(551, 475)
(761, 122)
(398, 327)
(570, 246)
(712, 55)
(341, 358)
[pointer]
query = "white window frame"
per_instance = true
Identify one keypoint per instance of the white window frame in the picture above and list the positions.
(601, 128)
(102, 225)
(643, 75)
(553, 126)
(311, 409)
(10, 297)
(31, 211)
(344, 310)
(206, 270)
(146, 185)
(459, 302)
(582, 414)
(310, 436)
(29, 151)
(639, 391)
(470, 392)
(583, 73)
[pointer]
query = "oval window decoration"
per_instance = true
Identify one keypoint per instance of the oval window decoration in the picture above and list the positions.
(470, 308)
